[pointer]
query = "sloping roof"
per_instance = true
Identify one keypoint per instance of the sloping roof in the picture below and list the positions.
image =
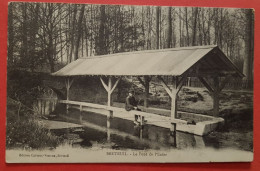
(172, 62)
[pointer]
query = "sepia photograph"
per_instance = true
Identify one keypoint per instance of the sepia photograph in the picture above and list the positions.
(95, 83)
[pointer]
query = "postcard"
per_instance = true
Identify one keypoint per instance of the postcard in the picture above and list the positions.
(95, 83)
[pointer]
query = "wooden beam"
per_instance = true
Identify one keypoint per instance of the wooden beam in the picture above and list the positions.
(68, 82)
(174, 105)
(181, 82)
(104, 84)
(147, 80)
(224, 82)
(206, 84)
(216, 97)
(109, 97)
(168, 90)
(116, 83)
(141, 81)
(173, 94)
(67, 87)
(211, 73)
(71, 81)
(109, 87)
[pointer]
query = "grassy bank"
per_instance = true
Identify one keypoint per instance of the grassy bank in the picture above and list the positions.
(25, 131)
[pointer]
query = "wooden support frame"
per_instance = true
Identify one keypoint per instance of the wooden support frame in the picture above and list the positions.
(68, 83)
(215, 90)
(206, 83)
(109, 88)
(173, 93)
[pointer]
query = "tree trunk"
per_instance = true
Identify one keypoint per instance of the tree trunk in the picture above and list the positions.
(249, 47)
(79, 32)
(169, 36)
(158, 11)
(72, 33)
(194, 27)
(10, 35)
(24, 47)
(33, 33)
(180, 26)
(60, 33)
(187, 26)
(101, 36)
(209, 25)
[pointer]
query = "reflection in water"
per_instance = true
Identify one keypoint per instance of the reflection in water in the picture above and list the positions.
(116, 133)
(108, 128)
(44, 106)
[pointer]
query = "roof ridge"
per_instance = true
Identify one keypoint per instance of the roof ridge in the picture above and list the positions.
(151, 51)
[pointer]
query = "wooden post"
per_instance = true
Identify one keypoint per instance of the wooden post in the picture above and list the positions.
(146, 87)
(109, 97)
(68, 83)
(108, 129)
(141, 132)
(215, 90)
(173, 129)
(172, 139)
(173, 93)
(80, 114)
(44, 106)
(174, 105)
(216, 97)
(109, 88)
(174, 97)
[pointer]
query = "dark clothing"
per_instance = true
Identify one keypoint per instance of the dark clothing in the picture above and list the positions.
(130, 103)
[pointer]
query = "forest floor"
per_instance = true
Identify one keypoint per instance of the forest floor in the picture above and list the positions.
(236, 107)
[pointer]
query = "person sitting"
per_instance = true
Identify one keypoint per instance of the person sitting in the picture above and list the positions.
(130, 102)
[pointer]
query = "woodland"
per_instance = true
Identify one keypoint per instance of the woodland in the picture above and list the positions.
(46, 36)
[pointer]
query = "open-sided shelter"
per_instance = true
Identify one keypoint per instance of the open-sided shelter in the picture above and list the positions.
(204, 62)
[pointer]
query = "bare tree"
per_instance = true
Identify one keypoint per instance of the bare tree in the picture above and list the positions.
(169, 36)
(79, 31)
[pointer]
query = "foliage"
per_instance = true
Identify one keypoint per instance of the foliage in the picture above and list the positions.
(26, 131)
(24, 86)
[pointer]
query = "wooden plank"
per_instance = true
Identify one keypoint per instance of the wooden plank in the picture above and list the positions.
(152, 119)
